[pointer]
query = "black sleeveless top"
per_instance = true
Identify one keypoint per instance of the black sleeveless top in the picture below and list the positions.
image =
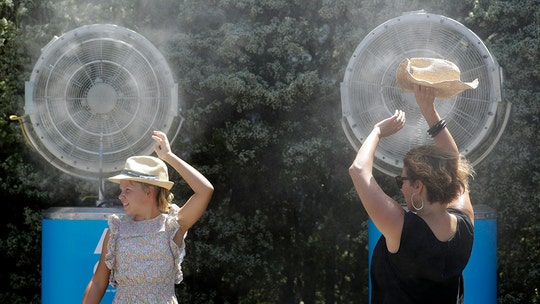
(424, 270)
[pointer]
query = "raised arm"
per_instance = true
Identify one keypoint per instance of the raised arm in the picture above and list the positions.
(385, 212)
(195, 206)
(425, 98)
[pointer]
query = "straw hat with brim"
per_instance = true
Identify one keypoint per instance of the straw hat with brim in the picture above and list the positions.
(442, 75)
(145, 169)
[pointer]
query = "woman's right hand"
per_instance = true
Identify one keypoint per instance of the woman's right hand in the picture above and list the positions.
(425, 97)
(391, 125)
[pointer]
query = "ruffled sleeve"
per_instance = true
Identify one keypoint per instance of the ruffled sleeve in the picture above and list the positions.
(171, 226)
(110, 257)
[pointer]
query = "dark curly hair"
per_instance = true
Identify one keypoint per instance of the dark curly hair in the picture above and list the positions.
(444, 173)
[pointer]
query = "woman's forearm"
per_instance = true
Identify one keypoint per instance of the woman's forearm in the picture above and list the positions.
(363, 162)
(195, 180)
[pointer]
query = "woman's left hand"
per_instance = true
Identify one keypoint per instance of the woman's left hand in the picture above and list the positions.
(162, 146)
(392, 124)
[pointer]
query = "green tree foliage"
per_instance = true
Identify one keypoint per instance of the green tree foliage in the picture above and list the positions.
(20, 278)
(20, 246)
(260, 91)
(261, 75)
(509, 180)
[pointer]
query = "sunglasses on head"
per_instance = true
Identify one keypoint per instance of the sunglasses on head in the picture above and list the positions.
(399, 180)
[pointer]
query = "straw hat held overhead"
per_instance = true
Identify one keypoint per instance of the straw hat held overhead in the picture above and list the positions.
(439, 74)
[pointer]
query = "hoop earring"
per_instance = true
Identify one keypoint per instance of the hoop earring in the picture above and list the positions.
(412, 203)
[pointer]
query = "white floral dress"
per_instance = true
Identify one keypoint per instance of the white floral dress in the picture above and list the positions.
(145, 262)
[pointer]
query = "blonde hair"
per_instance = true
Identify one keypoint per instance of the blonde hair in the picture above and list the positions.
(444, 173)
(163, 197)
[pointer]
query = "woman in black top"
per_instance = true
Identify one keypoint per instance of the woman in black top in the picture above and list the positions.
(421, 254)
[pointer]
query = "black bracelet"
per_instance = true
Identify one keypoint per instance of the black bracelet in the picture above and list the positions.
(433, 131)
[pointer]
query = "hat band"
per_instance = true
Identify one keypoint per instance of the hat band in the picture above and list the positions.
(139, 174)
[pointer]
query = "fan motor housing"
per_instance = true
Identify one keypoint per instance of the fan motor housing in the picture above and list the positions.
(94, 97)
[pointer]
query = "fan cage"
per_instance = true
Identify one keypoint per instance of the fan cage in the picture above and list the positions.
(94, 97)
(370, 93)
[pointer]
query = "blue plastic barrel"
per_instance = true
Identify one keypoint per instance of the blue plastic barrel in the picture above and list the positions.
(72, 238)
(480, 275)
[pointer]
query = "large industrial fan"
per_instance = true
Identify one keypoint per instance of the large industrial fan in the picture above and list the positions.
(95, 96)
(370, 93)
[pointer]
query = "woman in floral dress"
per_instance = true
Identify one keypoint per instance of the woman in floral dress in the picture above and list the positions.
(143, 249)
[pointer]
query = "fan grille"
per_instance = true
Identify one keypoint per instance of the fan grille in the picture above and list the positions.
(370, 92)
(94, 97)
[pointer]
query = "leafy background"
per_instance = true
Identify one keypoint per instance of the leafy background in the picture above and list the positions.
(260, 86)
